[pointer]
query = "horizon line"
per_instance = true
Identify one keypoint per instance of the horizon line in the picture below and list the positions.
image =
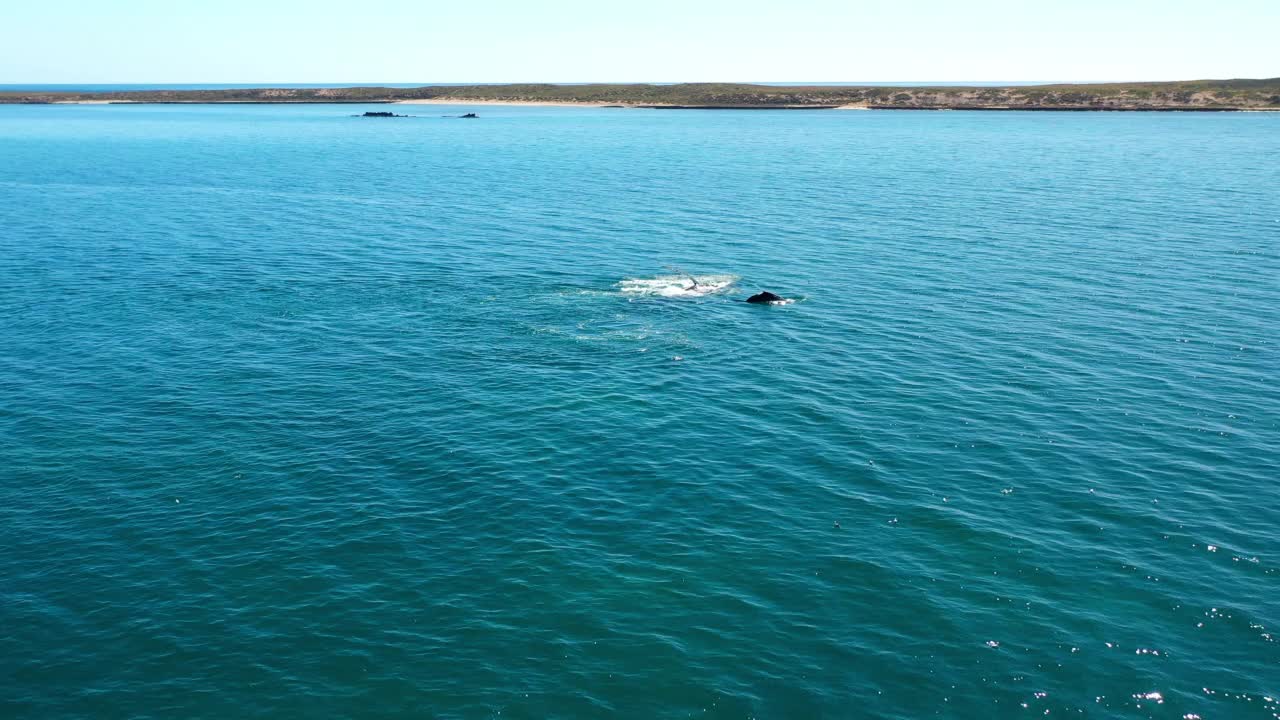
(270, 83)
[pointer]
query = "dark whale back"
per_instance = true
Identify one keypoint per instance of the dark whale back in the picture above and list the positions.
(764, 297)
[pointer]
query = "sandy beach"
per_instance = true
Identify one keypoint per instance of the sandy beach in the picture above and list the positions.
(459, 101)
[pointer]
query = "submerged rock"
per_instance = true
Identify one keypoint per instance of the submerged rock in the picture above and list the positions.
(765, 297)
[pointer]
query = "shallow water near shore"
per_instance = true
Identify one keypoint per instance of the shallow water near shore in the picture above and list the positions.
(307, 415)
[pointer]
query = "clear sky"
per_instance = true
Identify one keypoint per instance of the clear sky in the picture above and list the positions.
(350, 41)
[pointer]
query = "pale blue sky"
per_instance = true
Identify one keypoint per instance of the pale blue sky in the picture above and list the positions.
(345, 41)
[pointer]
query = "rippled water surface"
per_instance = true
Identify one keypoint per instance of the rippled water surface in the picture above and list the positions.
(307, 415)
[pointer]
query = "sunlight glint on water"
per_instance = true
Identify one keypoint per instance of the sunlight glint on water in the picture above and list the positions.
(312, 415)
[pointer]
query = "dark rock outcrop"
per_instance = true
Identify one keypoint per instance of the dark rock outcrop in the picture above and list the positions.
(764, 297)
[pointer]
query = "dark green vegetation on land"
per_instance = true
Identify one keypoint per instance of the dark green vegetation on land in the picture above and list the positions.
(1188, 95)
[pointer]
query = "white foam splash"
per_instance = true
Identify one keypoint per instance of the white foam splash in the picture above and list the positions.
(677, 286)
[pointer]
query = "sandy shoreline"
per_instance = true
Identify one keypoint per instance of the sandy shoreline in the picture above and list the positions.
(656, 106)
(459, 101)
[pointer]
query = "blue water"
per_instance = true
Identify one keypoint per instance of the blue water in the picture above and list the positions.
(305, 415)
(129, 87)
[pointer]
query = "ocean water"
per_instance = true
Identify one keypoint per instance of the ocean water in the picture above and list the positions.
(306, 415)
(127, 87)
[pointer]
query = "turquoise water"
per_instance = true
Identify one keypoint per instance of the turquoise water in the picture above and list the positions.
(303, 415)
(128, 87)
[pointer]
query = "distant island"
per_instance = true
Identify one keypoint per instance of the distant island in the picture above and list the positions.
(1202, 95)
